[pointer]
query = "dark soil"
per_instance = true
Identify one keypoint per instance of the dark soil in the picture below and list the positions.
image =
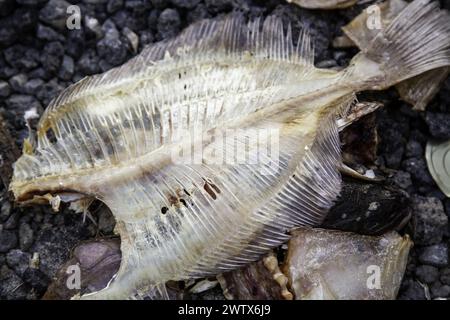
(39, 57)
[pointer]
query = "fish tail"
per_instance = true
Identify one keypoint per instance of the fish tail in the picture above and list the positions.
(416, 41)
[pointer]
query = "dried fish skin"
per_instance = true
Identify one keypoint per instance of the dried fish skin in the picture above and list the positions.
(112, 137)
(417, 91)
(437, 155)
(420, 90)
(334, 265)
(362, 31)
(324, 4)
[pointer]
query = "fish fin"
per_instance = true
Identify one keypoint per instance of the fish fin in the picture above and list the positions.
(305, 198)
(416, 41)
(229, 36)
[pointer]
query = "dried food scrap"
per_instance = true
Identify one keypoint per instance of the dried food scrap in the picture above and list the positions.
(113, 137)
(336, 265)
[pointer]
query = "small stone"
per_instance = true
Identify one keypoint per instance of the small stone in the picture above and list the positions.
(414, 149)
(132, 37)
(48, 34)
(438, 290)
(5, 90)
(11, 285)
(18, 81)
(22, 102)
(137, 6)
(402, 179)
(427, 274)
(49, 91)
(93, 26)
(429, 219)
(33, 86)
(21, 57)
(52, 56)
(37, 279)
(88, 63)
(39, 73)
(418, 169)
(8, 240)
(18, 260)
(438, 124)
(159, 4)
(216, 6)
(106, 221)
(145, 37)
(111, 48)
(77, 40)
(198, 13)
(436, 255)
(169, 23)
(187, 4)
(114, 5)
(12, 222)
(413, 291)
(25, 236)
(445, 276)
(67, 68)
(31, 2)
(54, 13)
(5, 211)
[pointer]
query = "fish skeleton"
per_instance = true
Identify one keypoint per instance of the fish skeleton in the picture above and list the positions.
(113, 137)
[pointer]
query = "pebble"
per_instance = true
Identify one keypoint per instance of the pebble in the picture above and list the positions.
(21, 57)
(438, 290)
(5, 89)
(48, 34)
(52, 56)
(188, 4)
(418, 169)
(5, 211)
(77, 41)
(429, 219)
(25, 236)
(438, 124)
(114, 5)
(445, 275)
(8, 240)
(402, 179)
(13, 221)
(427, 274)
(36, 279)
(54, 13)
(22, 102)
(18, 260)
(11, 285)
(413, 291)
(168, 24)
(111, 48)
(18, 81)
(435, 255)
(67, 68)
(33, 86)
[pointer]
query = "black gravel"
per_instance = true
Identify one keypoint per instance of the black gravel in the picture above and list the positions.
(39, 56)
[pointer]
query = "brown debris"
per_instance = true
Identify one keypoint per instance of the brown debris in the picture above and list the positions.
(261, 280)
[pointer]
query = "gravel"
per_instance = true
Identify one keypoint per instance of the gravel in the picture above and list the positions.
(436, 255)
(39, 57)
(430, 220)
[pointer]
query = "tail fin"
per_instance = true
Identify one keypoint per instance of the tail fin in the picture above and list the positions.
(416, 41)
